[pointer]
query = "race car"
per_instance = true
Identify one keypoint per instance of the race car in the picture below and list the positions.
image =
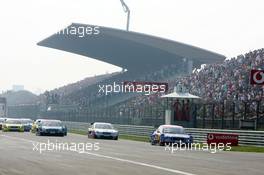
(27, 123)
(102, 130)
(13, 125)
(51, 127)
(2, 120)
(35, 125)
(170, 134)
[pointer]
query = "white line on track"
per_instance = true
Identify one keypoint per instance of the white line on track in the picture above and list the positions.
(116, 159)
(139, 163)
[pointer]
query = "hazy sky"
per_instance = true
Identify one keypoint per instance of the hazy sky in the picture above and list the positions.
(229, 27)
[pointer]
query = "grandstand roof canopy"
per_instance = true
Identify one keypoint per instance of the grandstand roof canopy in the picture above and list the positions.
(180, 95)
(127, 49)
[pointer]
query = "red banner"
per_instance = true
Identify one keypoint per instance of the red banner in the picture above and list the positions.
(257, 77)
(224, 138)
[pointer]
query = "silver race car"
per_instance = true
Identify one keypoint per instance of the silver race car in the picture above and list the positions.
(102, 130)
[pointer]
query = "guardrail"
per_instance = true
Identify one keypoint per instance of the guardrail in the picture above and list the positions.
(123, 129)
(254, 138)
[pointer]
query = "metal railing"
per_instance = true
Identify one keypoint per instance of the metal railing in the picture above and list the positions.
(213, 115)
(253, 138)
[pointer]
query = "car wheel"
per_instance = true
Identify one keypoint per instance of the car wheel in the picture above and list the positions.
(152, 142)
(116, 138)
(189, 145)
(161, 143)
(38, 133)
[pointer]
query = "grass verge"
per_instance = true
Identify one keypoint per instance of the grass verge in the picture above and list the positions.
(134, 138)
(78, 132)
(242, 148)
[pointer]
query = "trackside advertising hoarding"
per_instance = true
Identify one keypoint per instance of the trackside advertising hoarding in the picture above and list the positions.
(225, 138)
(257, 77)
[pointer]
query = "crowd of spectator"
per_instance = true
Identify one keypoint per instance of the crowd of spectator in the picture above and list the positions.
(228, 80)
(222, 82)
(71, 88)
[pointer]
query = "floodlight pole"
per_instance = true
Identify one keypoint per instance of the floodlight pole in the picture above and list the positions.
(126, 10)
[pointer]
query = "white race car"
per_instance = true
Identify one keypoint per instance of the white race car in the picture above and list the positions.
(102, 130)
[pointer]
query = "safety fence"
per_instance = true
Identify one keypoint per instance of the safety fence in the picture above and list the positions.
(254, 138)
(210, 115)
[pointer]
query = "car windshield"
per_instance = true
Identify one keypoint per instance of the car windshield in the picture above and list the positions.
(13, 122)
(51, 123)
(2, 120)
(173, 130)
(103, 126)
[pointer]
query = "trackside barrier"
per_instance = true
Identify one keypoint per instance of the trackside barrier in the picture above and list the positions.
(123, 129)
(253, 138)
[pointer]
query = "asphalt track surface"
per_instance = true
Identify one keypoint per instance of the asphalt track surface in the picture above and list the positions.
(19, 156)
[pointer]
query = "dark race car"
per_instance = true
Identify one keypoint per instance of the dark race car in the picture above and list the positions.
(170, 134)
(51, 127)
(27, 123)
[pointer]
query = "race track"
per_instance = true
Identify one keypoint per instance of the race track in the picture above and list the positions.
(122, 157)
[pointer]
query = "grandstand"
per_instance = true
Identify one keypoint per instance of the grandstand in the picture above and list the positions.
(225, 102)
(3, 108)
(145, 57)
